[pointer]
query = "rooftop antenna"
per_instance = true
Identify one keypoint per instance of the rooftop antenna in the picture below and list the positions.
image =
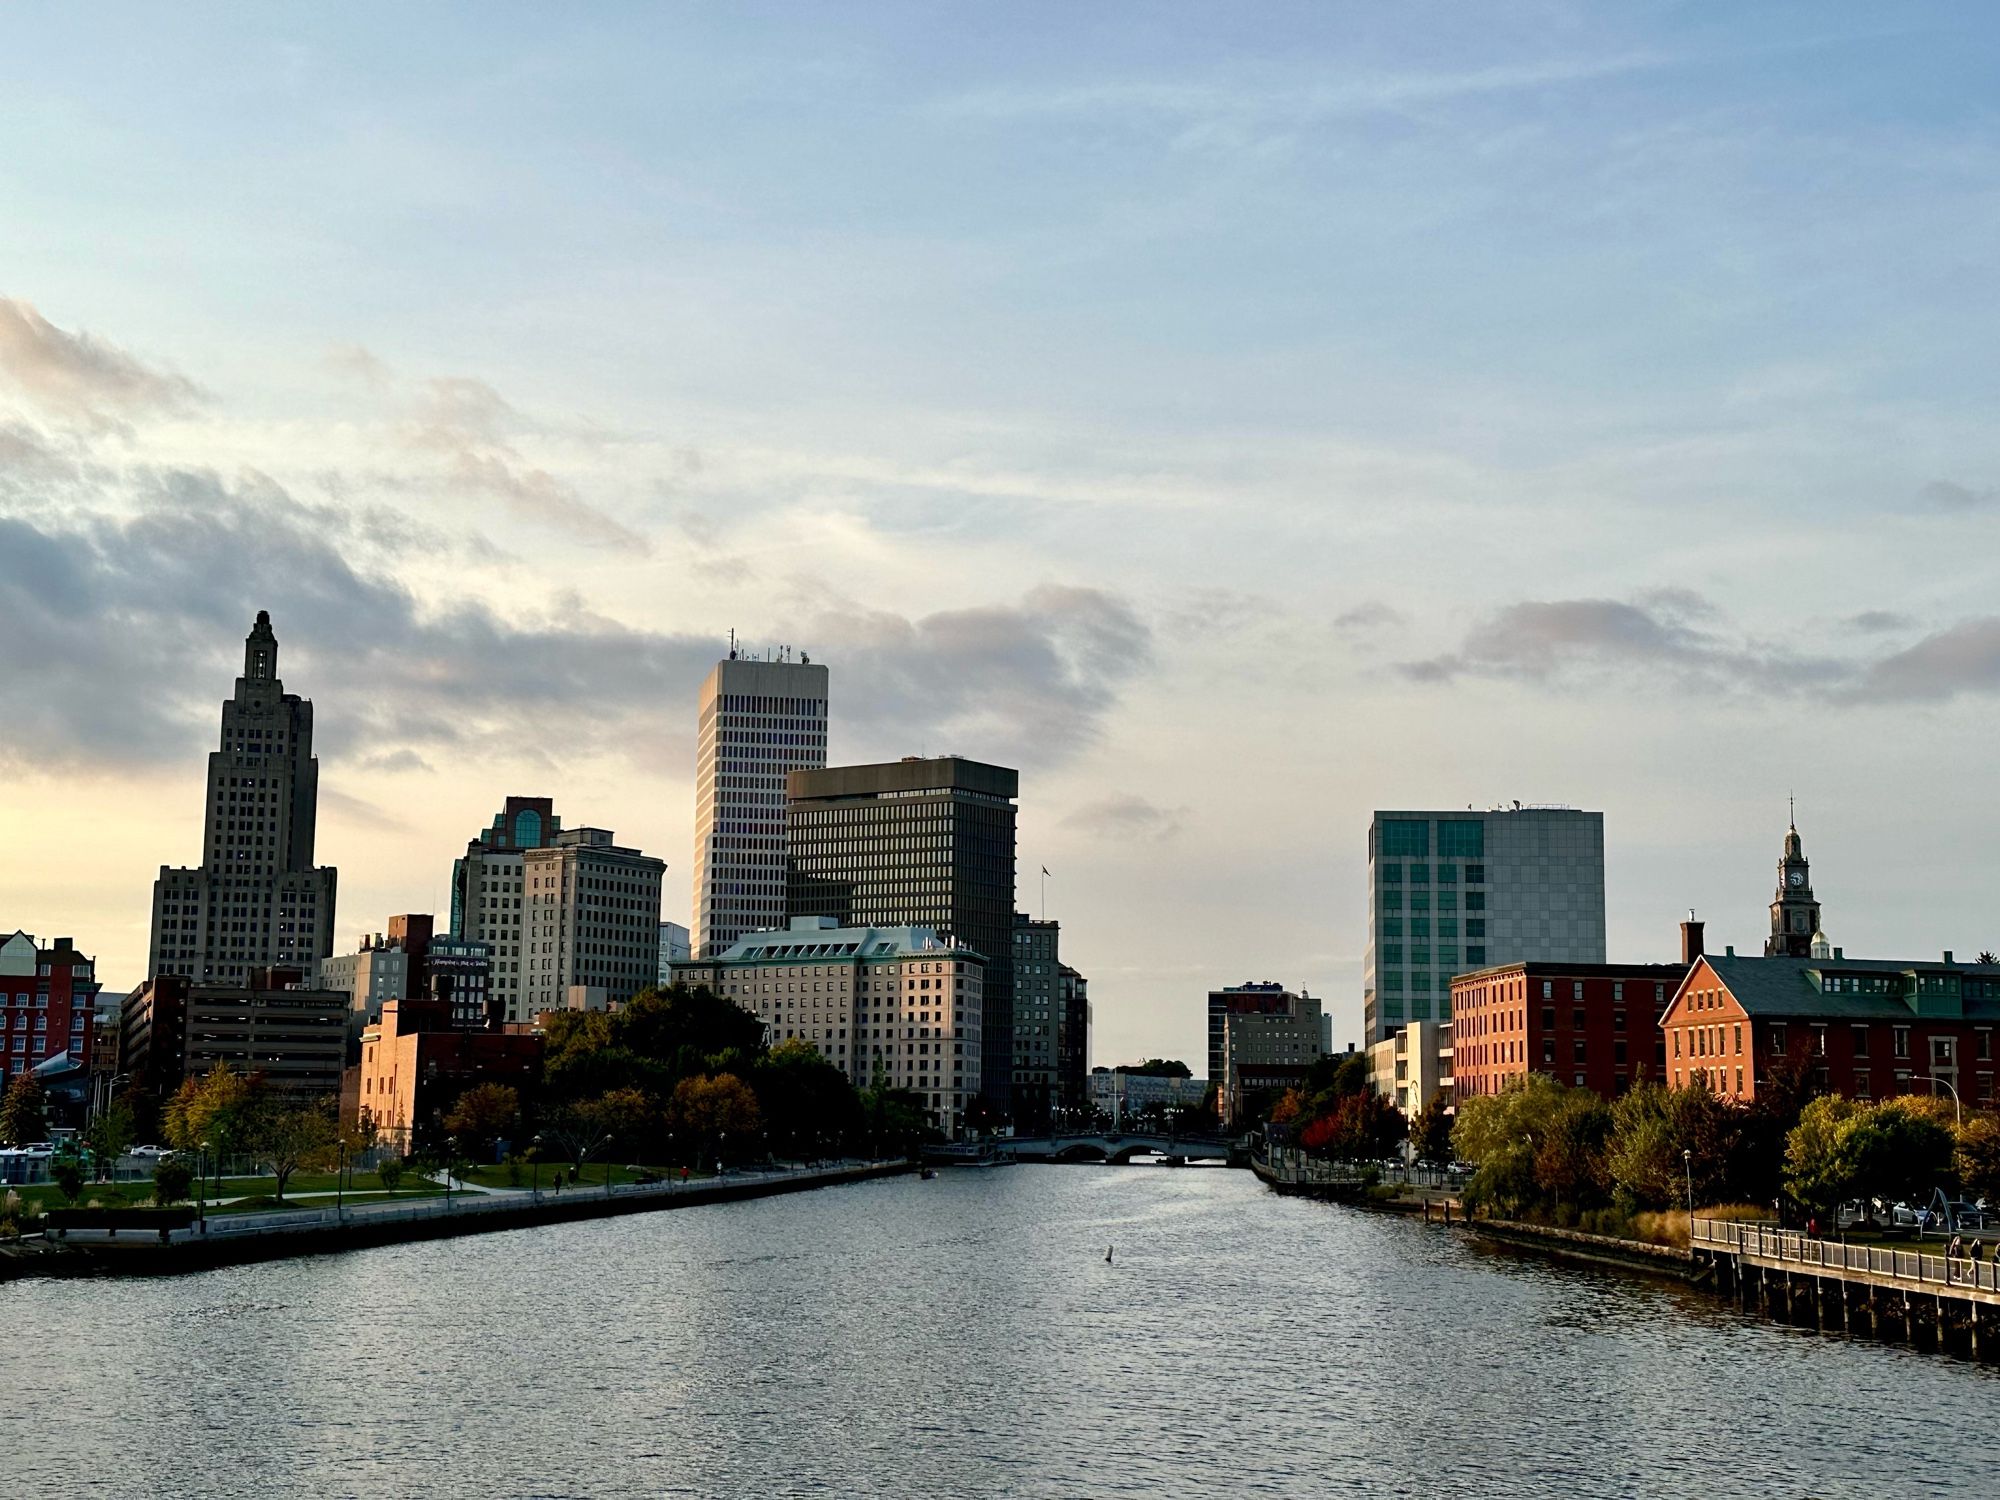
(732, 643)
(1792, 808)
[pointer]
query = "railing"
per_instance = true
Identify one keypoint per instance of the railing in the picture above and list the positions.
(1764, 1241)
(1296, 1166)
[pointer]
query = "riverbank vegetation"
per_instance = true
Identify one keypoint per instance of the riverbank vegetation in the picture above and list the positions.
(1632, 1166)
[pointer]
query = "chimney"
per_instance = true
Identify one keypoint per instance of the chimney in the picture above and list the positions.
(1691, 948)
(1947, 955)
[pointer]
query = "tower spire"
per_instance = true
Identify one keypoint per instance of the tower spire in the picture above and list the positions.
(260, 650)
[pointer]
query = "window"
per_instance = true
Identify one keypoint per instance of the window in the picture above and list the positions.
(1420, 874)
(1982, 1045)
(1548, 1049)
(1778, 1039)
(1406, 838)
(1548, 992)
(1739, 1039)
(1475, 874)
(1475, 901)
(1902, 1040)
(1861, 1041)
(1391, 875)
(1548, 1018)
(1819, 1039)
(1475, 927)
(1577, 1048)
(1461, 838)
(1476, 956)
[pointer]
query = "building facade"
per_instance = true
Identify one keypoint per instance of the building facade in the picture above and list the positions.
(1450, 892)
(1125, 1096)
(1073, 1041)
(592, 922)
(760, 721)
(1266, 996)
(377, 970)
(48, 1014)
(1038, 1021)
(893, 1007)
(1268, 1043)
(1863, 1028)
(1414, 1066)
(416, 1061)
(676, 947)
(461, 975)
(1594, 1026)
(257, 900)
(487, 899)
(924, 843)
(295, 1036)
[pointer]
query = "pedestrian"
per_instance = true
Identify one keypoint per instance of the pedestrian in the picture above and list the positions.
(1955, 1248)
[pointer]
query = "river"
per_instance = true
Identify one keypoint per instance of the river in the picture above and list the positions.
(961, 1337)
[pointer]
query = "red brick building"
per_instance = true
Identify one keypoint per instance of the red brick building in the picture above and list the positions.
(48, 1004)
(414, 1065)
(1593, 1026)
(1866, 1028)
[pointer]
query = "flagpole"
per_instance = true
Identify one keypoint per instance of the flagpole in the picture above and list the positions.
(1045, 893)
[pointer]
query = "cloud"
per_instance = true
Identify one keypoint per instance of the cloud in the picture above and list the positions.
(1964, 659)
(360, 364)
(472, 427)
(1547, 640)
(1944, 495)
(123, 636)
(80, 377)
(1876, 621)
(1370, 616)
(1130, 818)
(1028, 682)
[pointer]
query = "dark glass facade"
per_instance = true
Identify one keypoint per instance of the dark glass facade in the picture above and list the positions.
(926, 843)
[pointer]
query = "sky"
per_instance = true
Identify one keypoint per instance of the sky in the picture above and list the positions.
(1238, 419)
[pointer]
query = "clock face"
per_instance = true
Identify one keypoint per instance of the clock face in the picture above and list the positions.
(1797, 877)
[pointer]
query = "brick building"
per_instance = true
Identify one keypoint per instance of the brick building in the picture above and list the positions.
(1865, 1028)
(1593, 1026)
(48, 1002)
(415, 1064)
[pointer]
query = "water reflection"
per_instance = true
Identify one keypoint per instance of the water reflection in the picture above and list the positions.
(961, 1337)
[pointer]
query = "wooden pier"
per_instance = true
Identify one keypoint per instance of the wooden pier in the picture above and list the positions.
(1947, 1304)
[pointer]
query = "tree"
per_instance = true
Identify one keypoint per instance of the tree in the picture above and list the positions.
(1903, 1148)
(805, 1100)
(481, 1115)
(390, 1171)
(215, 1113)
(23, 1112)
(1978, 1158)
(1430, 1132)
(709, 1109)
(1533, 1142)
(66, 1172)
(1661, 1138)
(171, 1182)
(1988, 957)
(291, 1137)
(109, 1135)
(1820, 1166)
(1156, 1067)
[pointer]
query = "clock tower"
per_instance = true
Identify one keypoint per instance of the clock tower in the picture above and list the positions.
(1794, 913)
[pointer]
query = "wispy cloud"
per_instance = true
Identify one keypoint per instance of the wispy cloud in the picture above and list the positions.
(80, 377)
(1127, 818)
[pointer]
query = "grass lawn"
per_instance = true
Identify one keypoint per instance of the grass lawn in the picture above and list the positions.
(592, 1175)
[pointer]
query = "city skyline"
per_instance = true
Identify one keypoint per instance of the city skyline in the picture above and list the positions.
(1364, 415)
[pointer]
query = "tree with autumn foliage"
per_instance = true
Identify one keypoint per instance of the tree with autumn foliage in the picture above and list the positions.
(707, 1111)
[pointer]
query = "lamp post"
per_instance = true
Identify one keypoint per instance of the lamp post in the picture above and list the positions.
(201, 1185)
(1687, 1166)
(535, 1146)
(340, 1184)
(1958, 1107)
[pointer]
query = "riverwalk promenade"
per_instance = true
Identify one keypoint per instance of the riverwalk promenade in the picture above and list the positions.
(145, 1241)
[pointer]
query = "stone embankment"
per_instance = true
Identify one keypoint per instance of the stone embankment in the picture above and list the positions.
(83, 1242)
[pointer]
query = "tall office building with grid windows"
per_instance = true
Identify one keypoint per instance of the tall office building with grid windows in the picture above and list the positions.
(926, 843)
(760, 720)
(1449, 892)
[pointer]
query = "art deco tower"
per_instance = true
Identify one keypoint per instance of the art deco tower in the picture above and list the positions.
(257, 900)
(759, 721)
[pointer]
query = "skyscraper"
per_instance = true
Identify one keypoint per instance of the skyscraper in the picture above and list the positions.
(759, 721)
(926, 843)
(1038, 1019)
(486, 895)
(257, 900)
(1449, 892)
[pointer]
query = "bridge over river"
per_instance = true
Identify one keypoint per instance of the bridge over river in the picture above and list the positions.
(1112, 1146)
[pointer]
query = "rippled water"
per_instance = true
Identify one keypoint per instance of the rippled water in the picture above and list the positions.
(961, 1337)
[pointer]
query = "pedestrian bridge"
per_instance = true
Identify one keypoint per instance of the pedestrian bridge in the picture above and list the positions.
(1111, 1146)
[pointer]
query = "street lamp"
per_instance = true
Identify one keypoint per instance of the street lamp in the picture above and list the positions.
(340, 1184)
(535, 1146)
(1958, 1107)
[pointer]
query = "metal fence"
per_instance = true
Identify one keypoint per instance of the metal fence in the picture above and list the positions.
(1764, 1241)
(1296, 1166)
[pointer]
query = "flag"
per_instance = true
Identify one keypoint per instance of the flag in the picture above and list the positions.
(1045, 869)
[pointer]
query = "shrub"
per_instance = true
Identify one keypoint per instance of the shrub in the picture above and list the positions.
(390, 1170)
(171, 1181)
